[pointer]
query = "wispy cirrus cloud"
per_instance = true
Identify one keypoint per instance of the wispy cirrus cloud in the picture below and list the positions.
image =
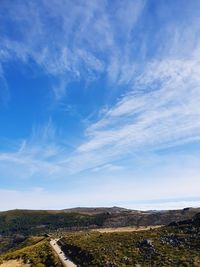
(4, 90)
(167, 114)
(165, 117)
(154, 71)
(68, 40)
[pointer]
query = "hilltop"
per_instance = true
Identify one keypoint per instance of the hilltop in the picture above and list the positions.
(97, 210)
(39, 221)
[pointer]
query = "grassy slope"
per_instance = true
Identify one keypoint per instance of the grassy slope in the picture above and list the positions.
(28, 222)
(171, 246)
(35, 222)
(34, 250)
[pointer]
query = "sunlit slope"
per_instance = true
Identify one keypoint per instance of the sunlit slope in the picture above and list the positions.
(177, 245)
(30, 222)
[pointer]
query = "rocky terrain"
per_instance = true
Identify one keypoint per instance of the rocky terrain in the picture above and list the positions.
(175, 245)
(31, 222)
(25, 237)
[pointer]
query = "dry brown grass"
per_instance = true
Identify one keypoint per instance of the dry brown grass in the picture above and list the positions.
(125, 229)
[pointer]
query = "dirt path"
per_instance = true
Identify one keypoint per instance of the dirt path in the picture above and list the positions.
(125, 229)
(64, 260)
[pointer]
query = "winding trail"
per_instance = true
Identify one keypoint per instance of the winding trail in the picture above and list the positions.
(64, 260)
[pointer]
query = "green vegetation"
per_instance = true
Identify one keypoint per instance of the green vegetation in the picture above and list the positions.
(37, 222)
(166, 246)
(30, 222)
(36, 251)
(10, 242)
(174, 245)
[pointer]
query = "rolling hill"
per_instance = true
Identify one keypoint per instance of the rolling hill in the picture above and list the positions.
(30, 222)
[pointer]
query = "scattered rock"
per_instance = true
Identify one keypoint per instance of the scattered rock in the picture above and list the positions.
(147, 248)
(172, 240)
(146, 243)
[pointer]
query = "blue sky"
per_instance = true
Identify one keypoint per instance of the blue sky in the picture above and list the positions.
(99, 103)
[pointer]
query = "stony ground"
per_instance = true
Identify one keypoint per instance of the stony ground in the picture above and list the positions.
(173, 246)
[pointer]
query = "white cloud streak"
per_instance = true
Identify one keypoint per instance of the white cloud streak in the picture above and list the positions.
(159, 110)
(165, 117)
(168, 114)
(69, 40)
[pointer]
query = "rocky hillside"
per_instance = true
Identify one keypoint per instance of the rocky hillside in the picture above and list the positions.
(34, 222)
(99, 210)
(175, 245)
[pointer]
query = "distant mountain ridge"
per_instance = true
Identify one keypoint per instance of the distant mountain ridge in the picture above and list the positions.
(40, 221)
(97, 210)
